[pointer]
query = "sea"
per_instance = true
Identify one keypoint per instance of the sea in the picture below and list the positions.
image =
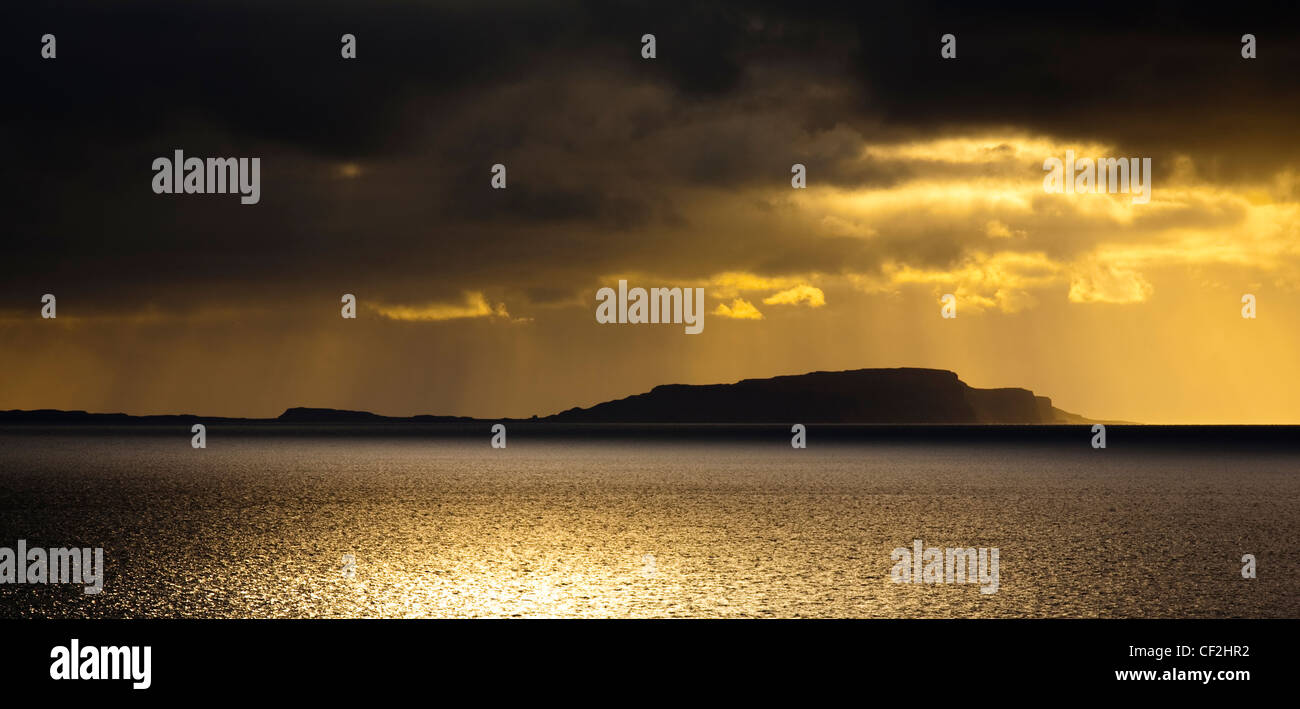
(427, 521)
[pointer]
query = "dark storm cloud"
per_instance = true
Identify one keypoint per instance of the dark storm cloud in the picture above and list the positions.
(533, 197)
(607, 153)
(1149, 75)
(272, 70)
(257, 69)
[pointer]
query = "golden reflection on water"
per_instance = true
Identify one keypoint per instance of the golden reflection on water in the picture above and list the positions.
(520, 585)
(258, 528)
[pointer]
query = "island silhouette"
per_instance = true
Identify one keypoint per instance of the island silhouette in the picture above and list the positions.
(861, 396)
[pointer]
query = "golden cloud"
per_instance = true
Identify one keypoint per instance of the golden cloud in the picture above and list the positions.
(1102, 283)
(740, 309)
(1001, 280)
(475, 305)
(813, 297)
(732, 283)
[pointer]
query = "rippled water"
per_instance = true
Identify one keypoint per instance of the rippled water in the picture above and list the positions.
(258, 526)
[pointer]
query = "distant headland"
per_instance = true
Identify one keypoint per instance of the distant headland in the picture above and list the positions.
(859, 396)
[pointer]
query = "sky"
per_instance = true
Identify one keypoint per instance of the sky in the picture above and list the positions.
(924, 177)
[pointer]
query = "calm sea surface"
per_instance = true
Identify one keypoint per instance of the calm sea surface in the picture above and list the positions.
(258, 526)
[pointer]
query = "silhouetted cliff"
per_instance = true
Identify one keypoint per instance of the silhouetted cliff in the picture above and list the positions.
(883, 396)
(858, 396)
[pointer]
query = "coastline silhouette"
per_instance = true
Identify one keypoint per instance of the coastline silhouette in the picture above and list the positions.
(862, 396)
